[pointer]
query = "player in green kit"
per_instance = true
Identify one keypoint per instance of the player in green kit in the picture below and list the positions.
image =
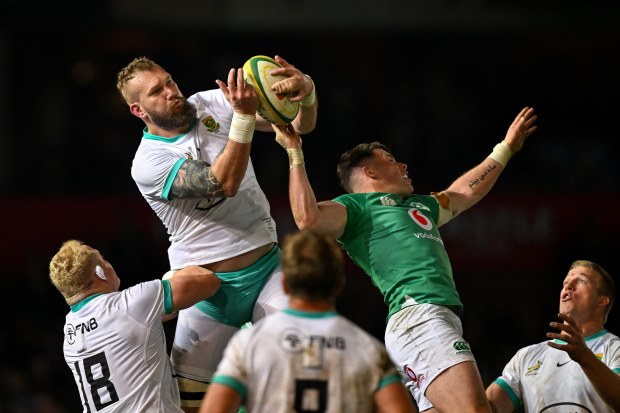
(308, 357)
(392, 234)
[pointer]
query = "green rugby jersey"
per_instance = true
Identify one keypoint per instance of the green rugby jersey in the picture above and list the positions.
(397, 243)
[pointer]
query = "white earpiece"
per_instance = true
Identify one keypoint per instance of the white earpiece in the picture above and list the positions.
(99, 272)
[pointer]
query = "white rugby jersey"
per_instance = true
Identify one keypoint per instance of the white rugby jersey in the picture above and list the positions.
(115, 347)
(546, 379)
(202, 230)
(298, 361)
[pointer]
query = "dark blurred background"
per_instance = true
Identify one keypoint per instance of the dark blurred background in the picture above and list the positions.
(438, 81)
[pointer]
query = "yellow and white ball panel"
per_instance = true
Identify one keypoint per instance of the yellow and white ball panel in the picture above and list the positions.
(275, 108)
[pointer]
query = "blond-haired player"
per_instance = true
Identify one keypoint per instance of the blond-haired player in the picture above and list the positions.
(114, 341)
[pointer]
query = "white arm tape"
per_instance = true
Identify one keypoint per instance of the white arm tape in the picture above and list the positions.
(501, 153)
(242, 128)
(295, 157)
(168, 275)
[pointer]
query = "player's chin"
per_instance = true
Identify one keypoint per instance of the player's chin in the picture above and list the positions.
(408, 188)
(566, 308)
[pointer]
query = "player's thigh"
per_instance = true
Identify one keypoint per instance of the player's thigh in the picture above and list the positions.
(459, 389)
(272, 297)
(424, 340)
(199, 343)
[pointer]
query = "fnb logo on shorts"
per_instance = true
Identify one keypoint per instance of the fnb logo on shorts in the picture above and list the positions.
(461, 347)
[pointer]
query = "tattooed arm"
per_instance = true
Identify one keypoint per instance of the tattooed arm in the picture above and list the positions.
(474, 184)
(198, 179)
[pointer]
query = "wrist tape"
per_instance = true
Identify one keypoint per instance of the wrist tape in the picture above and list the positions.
(310, 98)
(242, 128)
(501, 153)
(295, 157)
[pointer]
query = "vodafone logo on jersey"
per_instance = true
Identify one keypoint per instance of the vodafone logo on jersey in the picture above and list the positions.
(420, 219)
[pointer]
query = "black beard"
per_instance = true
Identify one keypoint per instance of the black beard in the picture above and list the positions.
(176, 120)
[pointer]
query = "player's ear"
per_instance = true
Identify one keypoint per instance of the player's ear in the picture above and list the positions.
(136, 109)
(603, 301)
(369, 171)
(100, 273)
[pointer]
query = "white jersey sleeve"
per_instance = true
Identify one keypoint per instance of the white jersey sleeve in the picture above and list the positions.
(115, 346)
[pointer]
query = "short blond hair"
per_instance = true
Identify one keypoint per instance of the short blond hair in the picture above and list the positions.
(137, 65)
(71, 270)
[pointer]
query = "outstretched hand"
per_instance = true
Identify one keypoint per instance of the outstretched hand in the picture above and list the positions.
(287, 136)
(296, 85)
(570, 333)
(522, 127)
(241, 95)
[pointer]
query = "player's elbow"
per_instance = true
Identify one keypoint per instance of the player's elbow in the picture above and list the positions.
(307, 223)
(303, 224)
(230, 189)
(307, 128)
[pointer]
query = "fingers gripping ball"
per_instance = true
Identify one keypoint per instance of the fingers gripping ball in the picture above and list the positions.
(276, 108)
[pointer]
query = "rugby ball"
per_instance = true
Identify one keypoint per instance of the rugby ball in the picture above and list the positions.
(277, 109)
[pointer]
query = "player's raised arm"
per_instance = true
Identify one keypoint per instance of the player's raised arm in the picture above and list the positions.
(474, 184)
(228, 170)
(605, 381)
(299, 88)
(327, 217)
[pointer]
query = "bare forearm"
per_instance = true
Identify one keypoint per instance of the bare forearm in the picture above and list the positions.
(303, 201)
(190, 285)
(327, 217)
(230, 167)
(605, 382)
(473, 185)
(305, 122)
